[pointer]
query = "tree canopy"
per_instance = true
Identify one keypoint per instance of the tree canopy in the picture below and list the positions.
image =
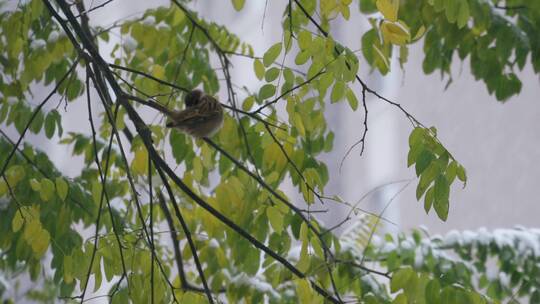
(177, 219)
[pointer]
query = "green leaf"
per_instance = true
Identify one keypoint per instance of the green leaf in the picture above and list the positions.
(423, 160)
(47, 189)
(96, 192)
(428, 199)
(351, 97)
(50, 124)
(259, 68)
(441, 193)
(433, 291)
(442, 188)
(276, 218)
(267, 91)
(337, 92)
(297, 119)
(302, 57)
(37, 123)
(463, 14)
(271, 74)
(461, 174)
(35, 184)
(272, 54)
(400, 278)
(61, 188)
(304, 40)
(304, 261)
(248, 103)
(238, 4)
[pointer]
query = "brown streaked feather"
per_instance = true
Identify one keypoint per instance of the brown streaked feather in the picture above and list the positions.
(200, 120)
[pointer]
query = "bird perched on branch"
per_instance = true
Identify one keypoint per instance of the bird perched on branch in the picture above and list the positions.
(203, 115)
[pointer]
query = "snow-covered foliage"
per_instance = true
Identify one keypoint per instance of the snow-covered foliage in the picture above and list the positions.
(503, 263)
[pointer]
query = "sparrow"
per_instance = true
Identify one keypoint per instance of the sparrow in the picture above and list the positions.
(203, 116)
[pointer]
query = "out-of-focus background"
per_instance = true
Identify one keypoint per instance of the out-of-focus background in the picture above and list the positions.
(499, 144)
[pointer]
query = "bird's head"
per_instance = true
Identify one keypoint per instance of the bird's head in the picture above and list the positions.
(193, 98)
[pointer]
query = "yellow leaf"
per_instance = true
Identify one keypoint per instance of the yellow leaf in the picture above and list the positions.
(47, 189)
(197, 169)
(61, 188)
(68, 269)
(299, 125)
(395, 32)
(17, 221)
(35, 184)
(41, 242)
(139, 165)
(389, 9)
(238, 4)
(14, 174)
(158, 71)
(420, 33)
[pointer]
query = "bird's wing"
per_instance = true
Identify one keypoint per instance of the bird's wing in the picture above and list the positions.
(207, 108)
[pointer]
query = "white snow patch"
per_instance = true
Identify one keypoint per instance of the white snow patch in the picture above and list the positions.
(149, 21)
(163, 26)
(407, 244)
(38, 44)
(130, 44)
(418, 257)
(213, 243)
(243, 279)
(388, 247)
(452, 238)
(53, 37)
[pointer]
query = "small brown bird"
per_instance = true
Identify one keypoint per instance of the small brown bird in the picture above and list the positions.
(203, 115)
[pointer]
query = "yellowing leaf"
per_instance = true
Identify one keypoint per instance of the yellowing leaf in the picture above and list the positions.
(139, 165)
(35, 184)
(304, 262)
(68, 269)
(389, 9)
(41, 242)
(382, 57)
(271, 55)
(299, 125)
(238, 4)
(61, 188)
(276, 218)
(395, 32)
(351, 97)
(259, 68)
(96, 192)
(14, 174)
(158, 71)
(304, 291)
(47, 189)
(338, 91)
(197, 169)
(17, 221)
(420, 33)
